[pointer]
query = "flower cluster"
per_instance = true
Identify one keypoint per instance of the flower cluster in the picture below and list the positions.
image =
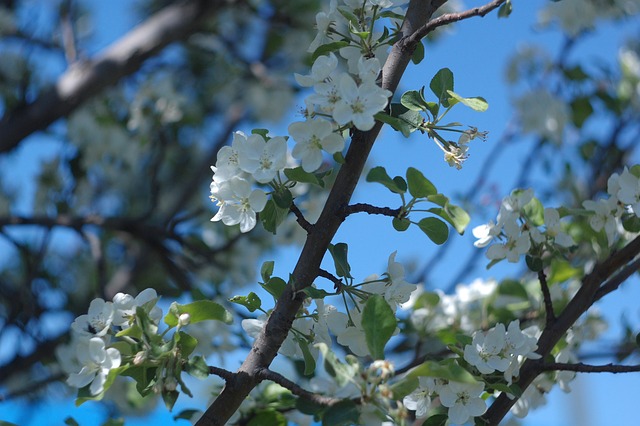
(340, 100)
(518, 230)
(502, 349)
(87, 359)
(463, 400)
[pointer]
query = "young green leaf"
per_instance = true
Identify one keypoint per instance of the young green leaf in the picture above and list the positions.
(440, 84)
(251, 301)
(379, 175)
(200, 310)
(477, 103)
(266, 270)
(435, 229)
(272, 216)
(299, 175)
(379, 322)
(419, 185)
(339, 254)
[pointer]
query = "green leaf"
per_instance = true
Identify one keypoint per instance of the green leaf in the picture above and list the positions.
(315, 293)
(400, 225)
(438, 199)
(272, 216)
(344, 412)
(477, 103)
(436, 420)
(69, 421)
(261, 132)
(418, 55)
(251, 301)
(379, 175)
(339, 254)
(323, 49)
(401, 119)
(413, 100)
(342, 373)
(534, 210)
(513, 288)
(638, 340)
(275, 286)
(283, 198)
(440, 84)
(338, 158)
(299, 175)
(379, 322)
(309, 360)
(186, 414)
(186, 343)
(404, 387)
(197, 367)
(448, 369)
(419, 185)
(200, 310)
(435, 229)
(114, 422)
(631, 223)
(268, 417)
(505, 10)
(534, 263)
(581, 109)
(170, 398)
(266, 270)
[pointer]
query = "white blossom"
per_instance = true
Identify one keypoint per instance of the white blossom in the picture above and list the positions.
(358, 104)
(312, 137)
(96, 322)
(263, 159)
(420, 399)
(97, 361)
(125, 307)
(238, 203)
(463, 401)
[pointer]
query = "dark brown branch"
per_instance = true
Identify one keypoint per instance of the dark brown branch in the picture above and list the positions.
(304, 223)
(337, 283)
(266, 374)
(587, 368)
(550, 316)
(450, 18)
(368, 208)
(221, 372)
(618, 279)
(265, 347)
(584, 298)
(85, 79)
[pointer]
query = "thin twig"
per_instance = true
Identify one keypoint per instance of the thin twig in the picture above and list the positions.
(221, 372)
(304, 223)
(618, 279)
(266, 374)
(587, 368)
(337, 283)
(369, 209)
(546, 296)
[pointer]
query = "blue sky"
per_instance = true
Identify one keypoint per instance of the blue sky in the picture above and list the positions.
(476, 51)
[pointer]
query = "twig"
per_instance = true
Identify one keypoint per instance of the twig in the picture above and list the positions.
(369, 209)
(587, 368)
(304, 223)
(546, 296)
(337, 283)
(450, 18)
(618, 279)
(221, 372)
(266, 374)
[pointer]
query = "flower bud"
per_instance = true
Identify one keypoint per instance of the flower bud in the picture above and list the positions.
(184, 319)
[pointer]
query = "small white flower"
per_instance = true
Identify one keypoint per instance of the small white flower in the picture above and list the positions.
(604, 217)
(358, 104)
(263, 159)
(486, 350)
(125, 307)
(629, 192)
(420, 399)
(320, 71)
(312, 137)
(463, 400)
(554, 229)
(96, 322)
(239, 204)
(97, 361)
(485, 234)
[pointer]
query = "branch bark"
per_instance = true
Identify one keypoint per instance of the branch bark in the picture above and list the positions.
(583, 300)
(85, 79)
(265, 347)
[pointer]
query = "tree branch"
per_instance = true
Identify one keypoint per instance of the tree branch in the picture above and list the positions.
(368, 208)
(85, 79)
(587, 368)
(550, 316)
(304, 223)
(266, 374)
(584, 298)
(265, 347)
(450, 18)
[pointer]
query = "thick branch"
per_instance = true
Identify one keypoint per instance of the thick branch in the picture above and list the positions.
(584, 298)
(279, 323)
(85, 79)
